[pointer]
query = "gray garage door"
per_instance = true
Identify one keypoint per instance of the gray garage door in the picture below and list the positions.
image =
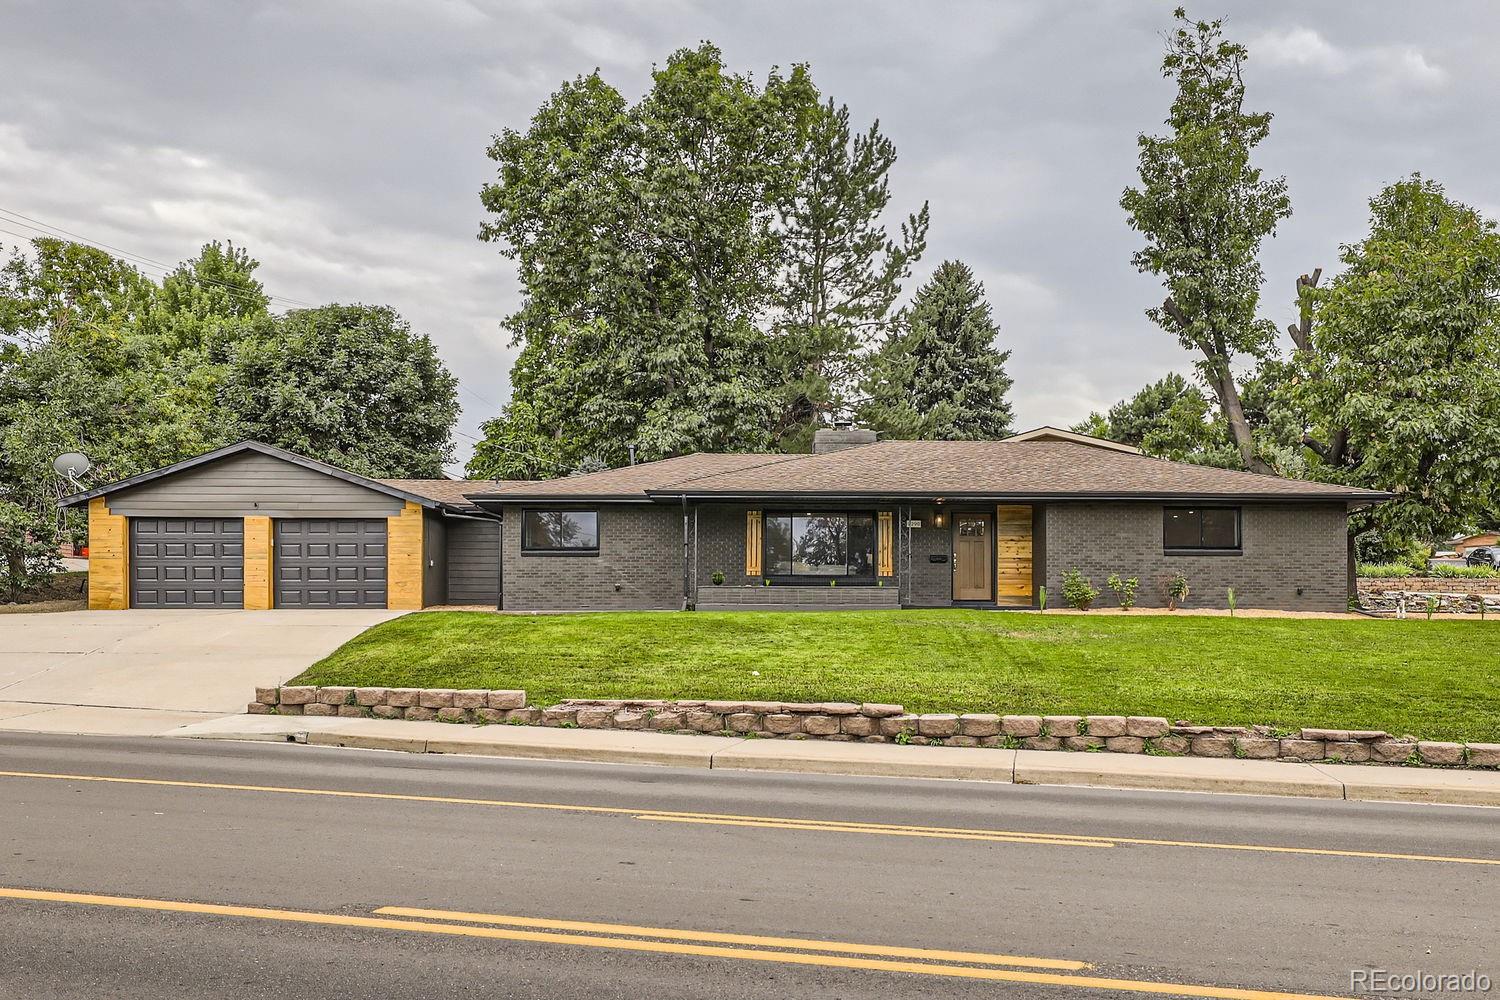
(330, 563)
(182, 562)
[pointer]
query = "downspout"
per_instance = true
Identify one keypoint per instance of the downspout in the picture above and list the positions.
(695, 557)
(685, 566)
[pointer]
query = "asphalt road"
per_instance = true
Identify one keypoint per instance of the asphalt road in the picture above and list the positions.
(573, 880)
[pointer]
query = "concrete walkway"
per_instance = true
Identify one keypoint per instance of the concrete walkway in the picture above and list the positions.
(139, 673)
(1027, 767)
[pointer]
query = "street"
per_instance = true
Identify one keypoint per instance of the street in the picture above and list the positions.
(143, 868)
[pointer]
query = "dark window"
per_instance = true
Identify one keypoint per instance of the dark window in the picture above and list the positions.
(1211, 528)
(820, 545)
(560, 531)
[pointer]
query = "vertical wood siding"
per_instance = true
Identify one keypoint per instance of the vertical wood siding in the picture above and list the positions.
(753, 527)
(109, 558)
(258, 563)
(885, 544)
(404, 559)
(1013, 555)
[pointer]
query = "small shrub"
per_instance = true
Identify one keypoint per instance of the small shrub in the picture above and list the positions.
(1387, 571)
(718, 578)
(1231, 602)
(1124, 590)
(1078, 590)
(1041, 593)
(1432, 605)
(1174, 590)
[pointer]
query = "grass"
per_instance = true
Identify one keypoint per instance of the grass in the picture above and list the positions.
(1436, 680)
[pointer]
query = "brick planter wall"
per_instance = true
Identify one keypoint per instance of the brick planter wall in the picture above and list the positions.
(877, 723)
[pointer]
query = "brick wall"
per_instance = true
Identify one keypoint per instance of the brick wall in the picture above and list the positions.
(1285, 547)
(638, 567)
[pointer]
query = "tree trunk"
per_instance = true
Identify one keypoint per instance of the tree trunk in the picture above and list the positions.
(1234, 412)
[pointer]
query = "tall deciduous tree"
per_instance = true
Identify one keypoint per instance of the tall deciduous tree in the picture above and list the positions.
(350, 385)
(939, 375)
(1170, 418)
(1397, 360)
(1204, 209)
(646, 242)
(843, 270)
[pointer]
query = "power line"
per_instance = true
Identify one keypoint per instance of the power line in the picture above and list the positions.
(139, 260)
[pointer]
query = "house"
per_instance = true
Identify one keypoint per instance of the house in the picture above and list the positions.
(1462, 544)
(857, 523)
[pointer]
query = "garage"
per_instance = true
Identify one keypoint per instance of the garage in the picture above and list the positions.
(180, 562)
(330, 563)
(257, 527)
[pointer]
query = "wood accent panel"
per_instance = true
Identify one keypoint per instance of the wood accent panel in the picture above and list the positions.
(754, 528)
(1013, 555)
(259, 561)
(404, 560)
(885, 543)
(109, 558)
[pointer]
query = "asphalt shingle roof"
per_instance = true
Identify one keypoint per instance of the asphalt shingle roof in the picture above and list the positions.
(1019, 469)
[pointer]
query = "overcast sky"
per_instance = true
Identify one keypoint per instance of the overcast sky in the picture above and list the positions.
(343, 143)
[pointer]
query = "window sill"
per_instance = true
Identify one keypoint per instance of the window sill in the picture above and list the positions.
(560, 552)
(816, 583)
(1203, 552)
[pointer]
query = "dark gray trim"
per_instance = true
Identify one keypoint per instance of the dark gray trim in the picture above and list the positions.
(1016, 498)
(77, 499)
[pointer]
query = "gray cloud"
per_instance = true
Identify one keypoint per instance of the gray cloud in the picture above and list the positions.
(343, 143)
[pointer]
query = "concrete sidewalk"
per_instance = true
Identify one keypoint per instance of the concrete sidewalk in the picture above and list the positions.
(1024, 767)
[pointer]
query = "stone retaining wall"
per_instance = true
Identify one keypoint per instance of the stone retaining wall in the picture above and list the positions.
(878, 723)
(1454, 595)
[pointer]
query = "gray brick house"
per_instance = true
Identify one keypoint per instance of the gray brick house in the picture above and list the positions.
(861, 523)
(858, 523)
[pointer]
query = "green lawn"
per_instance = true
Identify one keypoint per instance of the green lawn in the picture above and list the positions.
(1436, 680)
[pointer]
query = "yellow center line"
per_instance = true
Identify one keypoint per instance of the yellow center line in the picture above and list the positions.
(718, 937)
(657, 947)
(789, 823)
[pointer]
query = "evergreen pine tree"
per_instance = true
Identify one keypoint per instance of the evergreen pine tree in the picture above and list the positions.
(938, 376)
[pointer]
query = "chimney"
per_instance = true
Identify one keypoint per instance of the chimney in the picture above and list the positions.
(827, 440)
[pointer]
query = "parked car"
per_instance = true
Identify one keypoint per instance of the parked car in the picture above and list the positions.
(1484, 555)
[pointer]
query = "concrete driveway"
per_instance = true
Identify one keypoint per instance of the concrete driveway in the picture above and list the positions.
(147, 672)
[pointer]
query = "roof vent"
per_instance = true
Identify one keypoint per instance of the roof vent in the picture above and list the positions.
(831, 439)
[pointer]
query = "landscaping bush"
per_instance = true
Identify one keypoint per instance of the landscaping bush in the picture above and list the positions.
(1124, 590)
(1174, 590)
(1386, 571)
(1078, 590)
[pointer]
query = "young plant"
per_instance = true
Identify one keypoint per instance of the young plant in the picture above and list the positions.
(718, 578)
(1432, 605)
(1041, 596)
(1175, 590)
(1124, 590)
(1231, 602)
(1078, 590)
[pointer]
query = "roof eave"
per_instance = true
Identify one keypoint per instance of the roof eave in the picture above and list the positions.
(1013, 497)
(78, 499)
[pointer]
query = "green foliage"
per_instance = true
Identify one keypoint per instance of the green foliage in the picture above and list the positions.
(1175, 590)
(1432, 605)
(1397, 378)
(28, 548)
(1230, 596)
(349, 385)
(1386, 571)
(718, 578)
(701, 268)
(842, 270)
(1171, 419)
(1204, 209)
(1078, 590)
(1124, 590)
(938, 374)
(1041, 596)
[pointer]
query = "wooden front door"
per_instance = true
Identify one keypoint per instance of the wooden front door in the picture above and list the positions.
(973, 568)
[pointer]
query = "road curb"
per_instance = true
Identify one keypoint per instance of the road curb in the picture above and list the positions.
(883, 760)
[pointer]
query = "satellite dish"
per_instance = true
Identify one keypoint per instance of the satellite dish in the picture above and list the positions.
(71, 464)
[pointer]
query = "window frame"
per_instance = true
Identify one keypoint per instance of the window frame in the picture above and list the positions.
(529, 549)
(1200, 549)
(821, 579)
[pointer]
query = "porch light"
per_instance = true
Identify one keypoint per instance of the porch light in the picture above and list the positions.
(937, 519)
